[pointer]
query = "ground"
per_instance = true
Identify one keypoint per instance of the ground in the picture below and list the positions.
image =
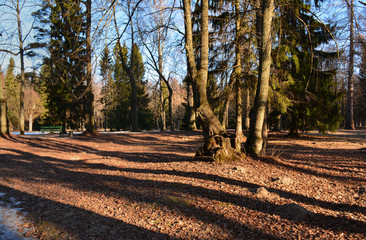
(150, 186)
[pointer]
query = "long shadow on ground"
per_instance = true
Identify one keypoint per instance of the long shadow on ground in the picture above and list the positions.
(50, 170)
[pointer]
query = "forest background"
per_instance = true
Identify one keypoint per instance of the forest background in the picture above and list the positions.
(122, 65)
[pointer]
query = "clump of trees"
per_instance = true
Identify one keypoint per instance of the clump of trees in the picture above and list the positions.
(246, 65)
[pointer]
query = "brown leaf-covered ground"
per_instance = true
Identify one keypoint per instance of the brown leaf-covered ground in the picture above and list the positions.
(149, 186)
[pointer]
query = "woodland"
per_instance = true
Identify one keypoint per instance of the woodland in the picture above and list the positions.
(220, 119)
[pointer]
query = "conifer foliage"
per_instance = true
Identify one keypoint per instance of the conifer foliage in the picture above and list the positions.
(64, 30)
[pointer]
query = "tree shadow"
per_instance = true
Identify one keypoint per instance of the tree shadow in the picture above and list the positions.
(78, 223)
(292, 157)
(154, 192)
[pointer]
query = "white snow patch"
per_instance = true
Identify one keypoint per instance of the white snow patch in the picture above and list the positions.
(10, 221)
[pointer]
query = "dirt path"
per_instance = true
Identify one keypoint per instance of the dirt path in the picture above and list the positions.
(148, 185)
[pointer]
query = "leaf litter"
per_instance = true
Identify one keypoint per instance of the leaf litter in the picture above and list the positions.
(148, 185)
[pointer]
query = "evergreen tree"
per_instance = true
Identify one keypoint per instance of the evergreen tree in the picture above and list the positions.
(304, 79)
(66, 83)
(12, 94)
(106, 71)
(120, 113)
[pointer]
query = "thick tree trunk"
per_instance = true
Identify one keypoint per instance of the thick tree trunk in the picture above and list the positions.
(239, 100)
(22, 72)
(217, 146)
(254, 142)
(89, 103)
(350, 124)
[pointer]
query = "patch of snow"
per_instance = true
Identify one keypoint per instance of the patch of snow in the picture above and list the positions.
(10, 221)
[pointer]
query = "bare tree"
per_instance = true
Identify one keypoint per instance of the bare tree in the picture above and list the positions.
(128, 68)
(33, 107)
(160, 21)
(15, 8)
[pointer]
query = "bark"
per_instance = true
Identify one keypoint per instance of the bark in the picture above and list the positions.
(30, 124)
(22, 72)
(217, 144)
(239, 101)
(170, 99)
(89, 108)
(3, 123)
(209, 122)
(350, 124)
(191, 112)
(247, 109)
(254, 142)
(225, 114)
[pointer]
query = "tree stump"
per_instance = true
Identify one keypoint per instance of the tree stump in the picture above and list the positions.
(220, 148)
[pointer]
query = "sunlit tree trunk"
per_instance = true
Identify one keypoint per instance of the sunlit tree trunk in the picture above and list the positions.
(239, 101)
(217, 146)
(210, 124)
(30, 124)
(254, 142)
(3, 123)
(350, 124)
(22, 72)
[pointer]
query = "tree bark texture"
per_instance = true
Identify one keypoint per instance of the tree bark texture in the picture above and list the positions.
(22, 72)
(209, 122)
(254, 142)
(3, 123)
(238, 86)
(350, 124)
(89, 111)
(217, 145)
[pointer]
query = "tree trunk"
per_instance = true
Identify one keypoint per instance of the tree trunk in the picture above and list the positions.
(30, 124)
(89, 111)
(170, 99)
(350, 124)
(254, 142)
(239, 101)
(191, 113)
(22, 72)
(3, 123)
(209, 122)
(217, 146)
(225, 114)
(247, 109)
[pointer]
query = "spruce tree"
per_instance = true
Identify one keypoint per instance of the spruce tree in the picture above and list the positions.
(12, 94)
(304, 78)
(66, 85)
